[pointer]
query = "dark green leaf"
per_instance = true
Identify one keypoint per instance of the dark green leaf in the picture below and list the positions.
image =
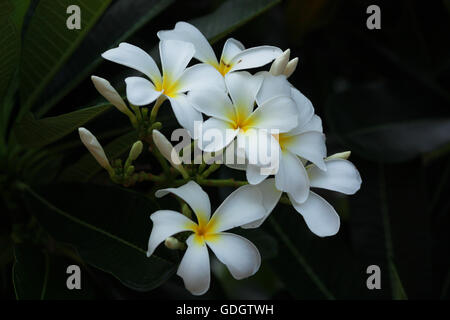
(108, 226)
(122, 19)
(48, 43)
(386, 123)
(40, 276)
(38, 133)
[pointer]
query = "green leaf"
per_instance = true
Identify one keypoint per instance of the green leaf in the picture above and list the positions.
(86, 168)
(108, 226)
(38, 275)
(38, 133)
(385, 123)
(121, 20)
(48, 43)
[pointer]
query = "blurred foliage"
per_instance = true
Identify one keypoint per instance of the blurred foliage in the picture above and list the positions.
(383, 94)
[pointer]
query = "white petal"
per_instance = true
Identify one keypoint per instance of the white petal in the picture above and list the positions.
(240, 256)
(175, 56)
(292, 177)
(261, 149)
(243, 88)
(290, 68)
(273, 86)
(315, 124)
(214, 103)
(277, 113)
(310, 146)
(230, 49)
(216, 134)
(280, 63)
(194, 196)
(166, 223)
(185, 113)
(254, 57)
(319, 215)
(243, 206)
(136, 58)
(107, 90)
(271, 196)
(201, 77)
(140, 91)
(94, 147)
(253, 174)
(304, 107)
(186, 32)
(194, 267)
(341, 176)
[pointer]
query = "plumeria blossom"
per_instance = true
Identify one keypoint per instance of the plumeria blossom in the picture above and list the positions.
(240, 256)
(175, 81)
(234, 55)
(321, 218)
(237, 118)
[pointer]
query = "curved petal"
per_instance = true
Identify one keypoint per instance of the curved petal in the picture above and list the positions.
(201, 77)
(215, 135)
(277, 113)
(271, 196)
(140, 91)
(242, 206)
(214, 103)
(230, 49)
(187, 32)
(166, 223)
(310, 146)
(253, 174)
(319, 215)
(273, 86)
(240, 256)
(136, 58)
(261, 149)
(304, 107)
(315, 124)
(341, 176)
(254, 57)
(175, 56)
(194, 196)
(292, 177)
(243, 88)
(194, 268)
(185, 113)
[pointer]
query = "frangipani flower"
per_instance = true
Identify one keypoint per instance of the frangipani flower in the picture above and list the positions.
(321, 218)
(235, 117)
(234, 56)
(175, 81)
(94, 147)
(241, 257)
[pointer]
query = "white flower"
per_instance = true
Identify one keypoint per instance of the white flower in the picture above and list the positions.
(175, 81)
(234, 55)
(94, 147)
(321, 218)
(241, 257)
(235, 117)
(107, 90)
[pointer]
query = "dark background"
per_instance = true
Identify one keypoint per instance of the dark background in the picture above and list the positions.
(383, 94)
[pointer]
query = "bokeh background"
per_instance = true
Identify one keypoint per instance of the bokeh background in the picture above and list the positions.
(383, 94)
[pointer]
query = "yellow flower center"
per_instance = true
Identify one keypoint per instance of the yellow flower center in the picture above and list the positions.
(204, 231)
(283, 140)
(168, 86)
(241, 119)
(223, 67)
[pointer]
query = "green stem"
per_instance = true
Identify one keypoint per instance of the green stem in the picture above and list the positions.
(156, 107)
(210, 170)
(301, 260)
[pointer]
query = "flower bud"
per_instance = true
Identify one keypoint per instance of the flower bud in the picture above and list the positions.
(173, 243)
(165, 147)
(341, 155)
(107, 90)
(136, 150)
(290, 67)
(280, 63)
(94, 147)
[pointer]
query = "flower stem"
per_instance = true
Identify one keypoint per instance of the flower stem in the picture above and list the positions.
(301, 260)
(156, 107)
(210, 170)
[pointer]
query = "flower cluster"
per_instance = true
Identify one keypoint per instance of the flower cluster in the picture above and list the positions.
(224, 109)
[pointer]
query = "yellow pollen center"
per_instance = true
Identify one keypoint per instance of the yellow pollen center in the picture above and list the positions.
(168, 87)
(224, 67)
(205, 231)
